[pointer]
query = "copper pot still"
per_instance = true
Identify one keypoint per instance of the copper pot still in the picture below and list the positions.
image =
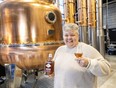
(29, 31)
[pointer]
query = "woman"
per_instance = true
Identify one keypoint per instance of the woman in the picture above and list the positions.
(81, 72)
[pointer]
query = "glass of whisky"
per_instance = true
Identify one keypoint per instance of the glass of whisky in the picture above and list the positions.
(79, 52)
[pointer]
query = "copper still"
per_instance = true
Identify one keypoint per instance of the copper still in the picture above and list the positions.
(29, 31)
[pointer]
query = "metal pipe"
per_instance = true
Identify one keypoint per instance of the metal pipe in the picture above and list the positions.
(66, 14)
(100, 32)
(89, 14)
(107, 30)
(82, 12)
(82, 20)
(79, 9)
(92, 23)
(69, 9)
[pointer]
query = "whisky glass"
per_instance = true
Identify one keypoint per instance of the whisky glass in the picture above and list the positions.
(79, 52)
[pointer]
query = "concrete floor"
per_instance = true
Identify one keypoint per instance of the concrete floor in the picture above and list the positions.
(45, 82)
(109, 81)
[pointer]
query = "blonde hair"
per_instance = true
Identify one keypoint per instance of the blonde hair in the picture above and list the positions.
(71, 26)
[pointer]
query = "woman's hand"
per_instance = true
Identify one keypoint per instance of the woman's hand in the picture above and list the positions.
(82, 61)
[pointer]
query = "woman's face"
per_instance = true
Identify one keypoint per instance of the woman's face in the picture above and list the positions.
(70, 38)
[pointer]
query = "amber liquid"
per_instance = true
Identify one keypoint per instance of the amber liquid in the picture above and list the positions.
(78, 55)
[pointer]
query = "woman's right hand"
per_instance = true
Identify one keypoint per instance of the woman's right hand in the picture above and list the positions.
(82, 61)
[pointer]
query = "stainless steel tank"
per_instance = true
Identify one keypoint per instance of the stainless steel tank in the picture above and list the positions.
(29, 31)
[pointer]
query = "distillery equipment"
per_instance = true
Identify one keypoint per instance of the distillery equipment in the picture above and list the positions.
(87, 14)
(29, 31)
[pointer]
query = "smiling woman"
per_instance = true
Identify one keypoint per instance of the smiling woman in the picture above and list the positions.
(77, 72)
(70, 34)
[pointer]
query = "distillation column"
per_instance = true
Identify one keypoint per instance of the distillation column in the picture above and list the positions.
(100, 32)
(82, 20)
(69, 10)
(91, 4)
